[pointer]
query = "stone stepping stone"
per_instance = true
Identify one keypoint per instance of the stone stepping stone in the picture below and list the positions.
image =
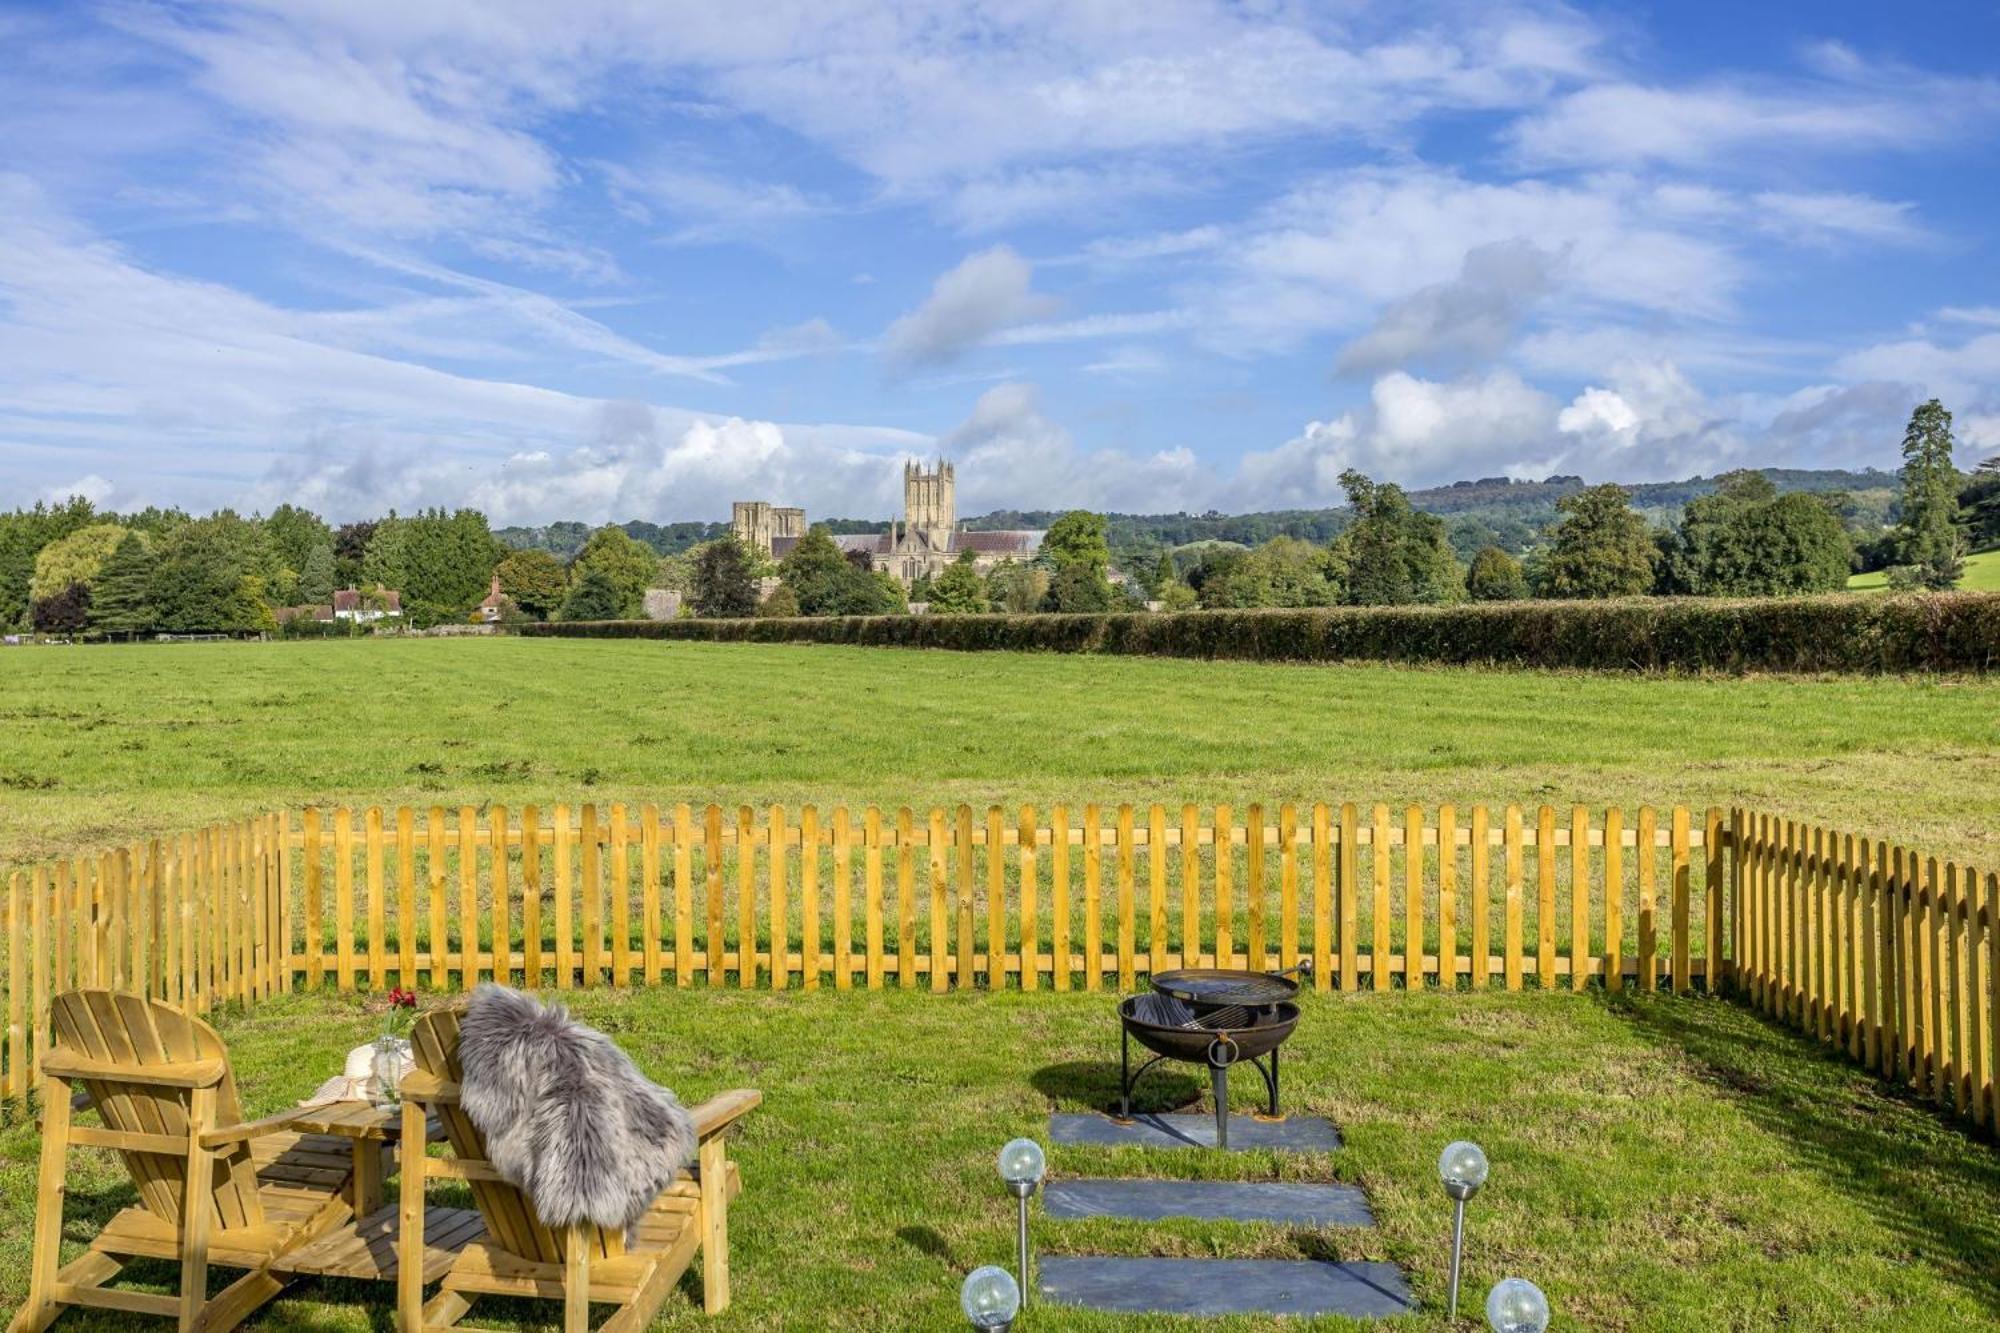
(1306, 1133)
(1211, 1200)
(1226, 1286)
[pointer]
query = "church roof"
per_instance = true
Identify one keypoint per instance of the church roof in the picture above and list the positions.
(1022, 543)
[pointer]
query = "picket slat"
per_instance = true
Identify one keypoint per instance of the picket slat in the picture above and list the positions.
(1378, 861)
(781, 937)
(1059, 896)
(378, 945)
(1413, 897)
(1514, 871)
(406, 897)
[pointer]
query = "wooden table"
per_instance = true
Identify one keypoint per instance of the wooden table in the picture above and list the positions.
(368, 1127)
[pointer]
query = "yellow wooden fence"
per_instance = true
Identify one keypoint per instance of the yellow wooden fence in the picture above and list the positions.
(1885, 955)
(1858, 943)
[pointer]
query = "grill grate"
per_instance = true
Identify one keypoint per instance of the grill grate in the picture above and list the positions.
(1232, 988)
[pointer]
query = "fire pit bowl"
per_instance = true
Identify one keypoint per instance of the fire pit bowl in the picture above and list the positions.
(1211, 1016)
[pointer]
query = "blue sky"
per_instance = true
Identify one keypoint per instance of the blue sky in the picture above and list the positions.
(612, 260)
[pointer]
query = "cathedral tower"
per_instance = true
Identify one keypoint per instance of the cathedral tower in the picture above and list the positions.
(929, 508)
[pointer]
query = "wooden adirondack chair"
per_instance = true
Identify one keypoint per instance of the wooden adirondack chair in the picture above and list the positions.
(520, 1256)
(213, 1189)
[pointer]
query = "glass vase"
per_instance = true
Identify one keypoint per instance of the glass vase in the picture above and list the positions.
(389, 1056)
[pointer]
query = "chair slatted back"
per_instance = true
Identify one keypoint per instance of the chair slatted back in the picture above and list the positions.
(132, 1031)
(511, 1220)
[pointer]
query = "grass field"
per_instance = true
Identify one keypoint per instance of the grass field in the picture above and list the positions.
(1658, 1164)
(102, 744)
(1982, 574)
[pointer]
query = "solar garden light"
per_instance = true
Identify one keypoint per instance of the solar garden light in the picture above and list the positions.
(1516, 1305)
(1462, 1168)
(1021, 1166)
(990, 1299)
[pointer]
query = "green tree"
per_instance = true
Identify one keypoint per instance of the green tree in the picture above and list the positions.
(781, 604)
(1077, 538)
(1392, 554)
(350, 552)
(23, 534)
(1284, 571)
(120, 605)
(534, 579)
(959, 591)
(1078, 587)
(295, 534)
(723, 584)
(1599, 548)
(1177, 596)
(594, 596)
(1792, 544)
(75, 558)
(204, 569)
(382, 561)
(447, 565)
(629, 564)
(316, 576)
(1016, 588)
(1703, 556)
(1928, 539)
(818, 573)
(1495, 576)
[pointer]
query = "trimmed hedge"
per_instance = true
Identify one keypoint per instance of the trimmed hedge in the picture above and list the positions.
(1943, 632)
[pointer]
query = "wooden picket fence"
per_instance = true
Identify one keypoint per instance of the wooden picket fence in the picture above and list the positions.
(1873, 950)
(1089, 898)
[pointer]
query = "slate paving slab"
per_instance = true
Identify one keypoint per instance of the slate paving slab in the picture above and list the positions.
(1306, 1133)
(1211, 1200)
(1226, 1286)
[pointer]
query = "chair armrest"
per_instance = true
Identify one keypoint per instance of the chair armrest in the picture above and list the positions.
(174, 1074)
(249, 1129)
(724, 1109)
(418, 1086)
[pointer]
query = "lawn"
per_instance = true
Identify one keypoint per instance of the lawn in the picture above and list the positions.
(1982, 574)
(105, 744)
(1658, 1164)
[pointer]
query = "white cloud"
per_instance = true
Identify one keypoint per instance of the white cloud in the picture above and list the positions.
(1471, 317)
(981, 295)
(1008, 455)
(1335, 249)
(1627, 125)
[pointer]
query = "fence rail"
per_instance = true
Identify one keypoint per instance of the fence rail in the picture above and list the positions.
(1859, 944)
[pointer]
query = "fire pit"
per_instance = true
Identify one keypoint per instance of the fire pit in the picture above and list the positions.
(1211, 1016)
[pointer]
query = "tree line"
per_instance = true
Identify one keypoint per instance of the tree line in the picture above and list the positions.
(70, 569)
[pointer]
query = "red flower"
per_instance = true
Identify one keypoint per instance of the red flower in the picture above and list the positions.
(400, 998)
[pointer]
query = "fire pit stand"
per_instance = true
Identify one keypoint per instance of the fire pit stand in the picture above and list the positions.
(1212, 1016)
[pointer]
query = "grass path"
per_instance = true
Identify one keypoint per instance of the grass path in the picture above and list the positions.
(1658, 1164)
(102, 744)
(1982, 574)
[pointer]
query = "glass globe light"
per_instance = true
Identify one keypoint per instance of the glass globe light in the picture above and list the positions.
(1462, 1168)
(1516, 1305)
(989, 1297)
(1021, 1162)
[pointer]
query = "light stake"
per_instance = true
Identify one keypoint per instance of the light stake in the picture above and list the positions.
(990, 1299)
(1462, 1168)
(1021, 1166)
(1516, 1305)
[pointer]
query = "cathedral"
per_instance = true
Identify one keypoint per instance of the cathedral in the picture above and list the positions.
(925, 543)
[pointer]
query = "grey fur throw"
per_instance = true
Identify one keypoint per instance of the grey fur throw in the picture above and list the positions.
(567, 1116)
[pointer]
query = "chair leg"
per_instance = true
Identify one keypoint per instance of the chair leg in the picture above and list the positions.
(714, 1227)
(445, 1309)
(239, 1300)
(576, 1280)
(195, 1210)
(92, 1269)
(40, 1307)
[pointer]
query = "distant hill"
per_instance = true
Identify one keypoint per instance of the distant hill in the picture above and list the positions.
(1492, 510)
